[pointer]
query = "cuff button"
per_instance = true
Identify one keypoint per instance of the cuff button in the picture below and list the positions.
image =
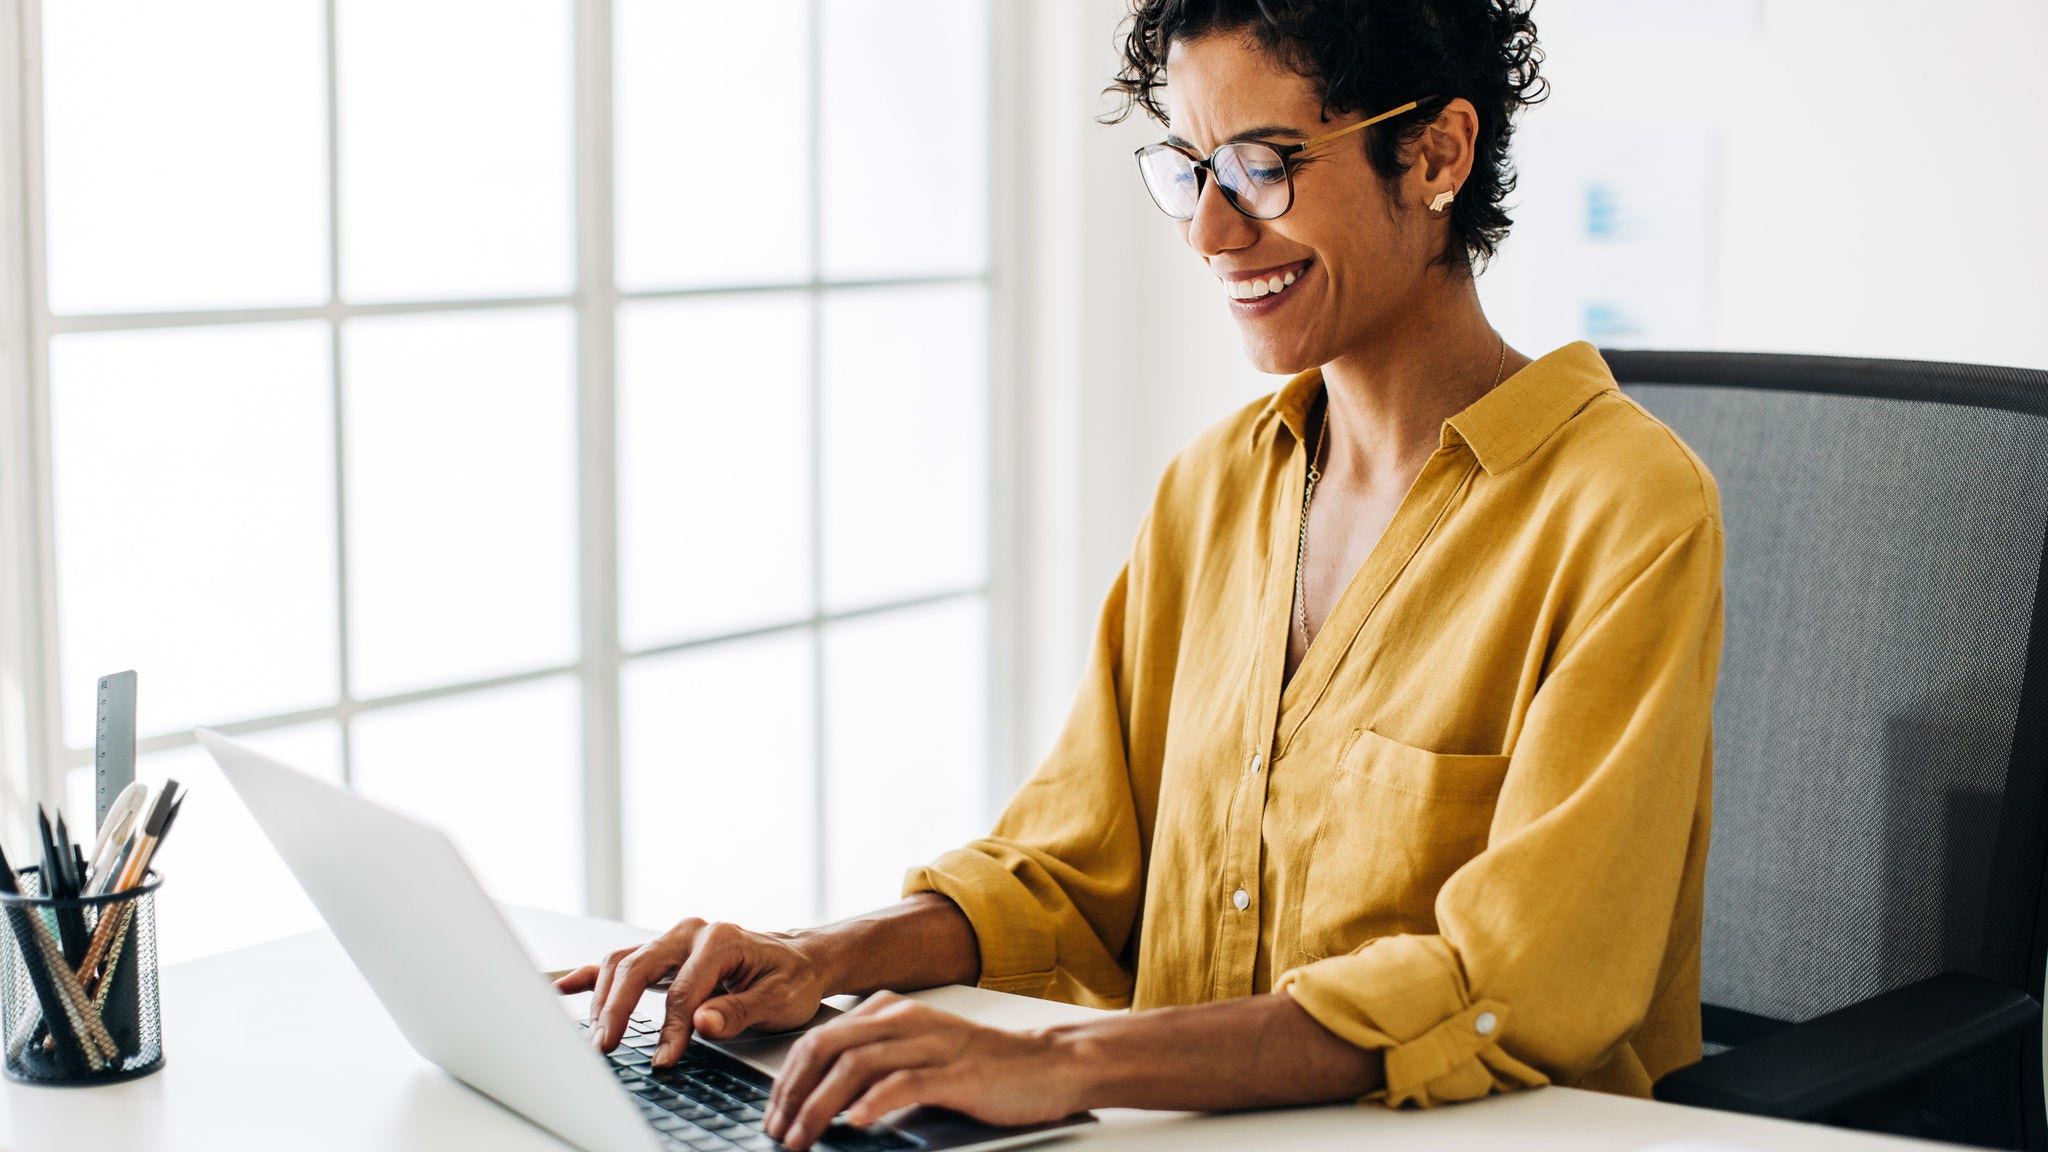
(1485, 1023)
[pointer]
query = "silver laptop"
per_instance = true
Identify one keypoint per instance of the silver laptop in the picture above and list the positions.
(452, 975)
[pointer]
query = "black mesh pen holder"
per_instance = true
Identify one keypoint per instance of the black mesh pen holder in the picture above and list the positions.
(78, 985)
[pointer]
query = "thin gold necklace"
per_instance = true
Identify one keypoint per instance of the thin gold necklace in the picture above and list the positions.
(1308, 493)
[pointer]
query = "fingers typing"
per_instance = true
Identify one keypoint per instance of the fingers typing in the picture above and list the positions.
(580, 980)
(630, 977)
(879, 1018)
(714, 952)
(852, 1073)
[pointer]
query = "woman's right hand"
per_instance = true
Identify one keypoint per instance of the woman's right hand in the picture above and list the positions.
(726, 979)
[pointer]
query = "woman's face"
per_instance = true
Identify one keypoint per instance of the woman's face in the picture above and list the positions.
(1356, 253)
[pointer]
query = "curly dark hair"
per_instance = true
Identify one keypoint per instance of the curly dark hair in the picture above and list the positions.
(1370, 55)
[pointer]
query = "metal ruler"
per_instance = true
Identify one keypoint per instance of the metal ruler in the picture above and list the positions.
(113, 758)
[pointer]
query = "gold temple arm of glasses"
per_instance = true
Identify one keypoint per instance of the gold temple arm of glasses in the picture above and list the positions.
(1348, 129)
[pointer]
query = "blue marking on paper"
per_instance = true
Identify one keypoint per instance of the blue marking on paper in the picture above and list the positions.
(1605, 322)
(1605, 217)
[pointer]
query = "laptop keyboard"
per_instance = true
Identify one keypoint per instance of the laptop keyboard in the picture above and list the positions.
(702, 1104)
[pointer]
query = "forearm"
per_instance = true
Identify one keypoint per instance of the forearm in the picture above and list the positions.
(1254, 1052)
(922, 942)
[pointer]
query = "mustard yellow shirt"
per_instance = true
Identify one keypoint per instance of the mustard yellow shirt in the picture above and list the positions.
(1471, 830)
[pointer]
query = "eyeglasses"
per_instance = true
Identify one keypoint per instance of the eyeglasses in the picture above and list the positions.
(1255, 176)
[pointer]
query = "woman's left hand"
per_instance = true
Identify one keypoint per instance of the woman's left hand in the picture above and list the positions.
(893, 1052)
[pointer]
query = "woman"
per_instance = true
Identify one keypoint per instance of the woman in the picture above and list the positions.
(1389, 774)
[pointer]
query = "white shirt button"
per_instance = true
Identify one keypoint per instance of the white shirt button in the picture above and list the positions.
(1485, 1023)
(1241, 899)
(1255, 763)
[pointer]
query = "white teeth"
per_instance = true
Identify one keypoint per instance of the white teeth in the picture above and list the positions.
(1254, 289)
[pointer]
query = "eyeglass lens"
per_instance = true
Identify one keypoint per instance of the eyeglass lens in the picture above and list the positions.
(1252, 175)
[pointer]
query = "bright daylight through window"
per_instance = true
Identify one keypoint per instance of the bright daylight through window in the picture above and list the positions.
(504, 417)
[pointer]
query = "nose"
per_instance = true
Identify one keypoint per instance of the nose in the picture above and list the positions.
(1216, 227)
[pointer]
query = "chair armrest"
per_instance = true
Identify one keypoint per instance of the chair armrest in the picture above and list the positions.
(1807, 1071)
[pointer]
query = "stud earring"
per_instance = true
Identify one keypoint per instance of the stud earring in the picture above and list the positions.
(1443, 200)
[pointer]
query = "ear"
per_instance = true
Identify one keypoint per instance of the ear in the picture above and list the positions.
(1445, 152)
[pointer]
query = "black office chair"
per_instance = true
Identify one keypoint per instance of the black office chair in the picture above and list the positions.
(1875, 934)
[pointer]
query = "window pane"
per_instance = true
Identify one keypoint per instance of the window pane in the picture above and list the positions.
(193, 490)
(714, 466)
(167, 186)
(704, 198)
(224, 885)
(718, 790)
(455, 148)
(905, 746)
(904, 148)
(905, 456)
(461, 496)
(499, 772)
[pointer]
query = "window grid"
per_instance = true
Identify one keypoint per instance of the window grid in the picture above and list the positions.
(597, 488)
(334, 365)
(595, 301)
(814, 59)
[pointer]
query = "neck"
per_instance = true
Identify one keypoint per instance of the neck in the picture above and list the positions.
(1388, 401)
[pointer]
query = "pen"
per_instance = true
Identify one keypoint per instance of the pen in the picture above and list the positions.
(150, 835)
(113, 835)
(103, 880)
(170, 818)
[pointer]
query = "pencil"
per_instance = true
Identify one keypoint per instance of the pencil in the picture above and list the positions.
(99, 1047)
(74, 1021)
(21, 925)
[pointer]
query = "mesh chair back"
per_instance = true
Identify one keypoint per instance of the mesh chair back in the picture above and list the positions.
(1878, 725)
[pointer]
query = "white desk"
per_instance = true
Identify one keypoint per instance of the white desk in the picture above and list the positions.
(283, 1045)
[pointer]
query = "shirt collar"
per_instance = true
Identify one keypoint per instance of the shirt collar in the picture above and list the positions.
(1291, 406)
(1502, 427)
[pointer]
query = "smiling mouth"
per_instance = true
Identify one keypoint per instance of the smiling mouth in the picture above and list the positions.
(1270, 284)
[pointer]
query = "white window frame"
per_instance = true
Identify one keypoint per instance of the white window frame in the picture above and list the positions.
(34, 760)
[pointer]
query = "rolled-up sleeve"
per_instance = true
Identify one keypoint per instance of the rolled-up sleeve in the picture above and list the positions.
(1054, 891)
(1550, 942)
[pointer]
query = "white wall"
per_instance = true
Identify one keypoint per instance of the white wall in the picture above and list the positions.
(1876, 189)
(1880, 167)
(1120, 353)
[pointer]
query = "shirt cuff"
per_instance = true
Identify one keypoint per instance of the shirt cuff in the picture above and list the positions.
(1407, 996)
(1010, 927)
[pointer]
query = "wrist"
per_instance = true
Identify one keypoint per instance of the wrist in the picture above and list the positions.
(1083, 1062)
(826, 957)
(921, 942)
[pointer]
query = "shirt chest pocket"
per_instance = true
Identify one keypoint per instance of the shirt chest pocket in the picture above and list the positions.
(1395, 822)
